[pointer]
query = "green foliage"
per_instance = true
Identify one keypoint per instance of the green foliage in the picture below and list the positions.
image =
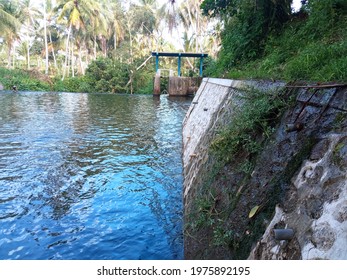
(222, 237)
(247, 26)
(319, 62)
(112, 75)
(217, 7)
(143, 78)
(255, 116)
(107, 75)
(311, 46)
(324, 15)
(102, 75)
(22, 80)
(144, 85)
(144, 20)
(252, 123)
(210, 67)
(8, 23)
(72, 84)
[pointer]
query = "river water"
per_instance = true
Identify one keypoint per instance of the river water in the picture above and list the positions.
(90, 176)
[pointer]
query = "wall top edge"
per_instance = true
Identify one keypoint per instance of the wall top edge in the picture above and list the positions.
(243, 83)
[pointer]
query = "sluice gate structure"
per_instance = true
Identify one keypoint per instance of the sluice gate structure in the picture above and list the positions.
(178, 85)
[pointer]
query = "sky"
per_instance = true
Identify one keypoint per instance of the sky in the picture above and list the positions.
(296, 5)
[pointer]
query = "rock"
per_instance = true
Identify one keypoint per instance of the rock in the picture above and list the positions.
(323, 236)
(1, 87)
(341, 214)
(319, 150)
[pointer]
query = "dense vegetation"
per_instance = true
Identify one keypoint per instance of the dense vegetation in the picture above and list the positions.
(105, 46)
(265, 39)
(88, 45)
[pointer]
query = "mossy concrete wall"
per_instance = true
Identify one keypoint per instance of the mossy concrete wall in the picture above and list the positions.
(178, 86)
(182, 86)
(210, 111)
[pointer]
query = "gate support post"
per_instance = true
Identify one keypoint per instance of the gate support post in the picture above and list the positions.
(179, 65)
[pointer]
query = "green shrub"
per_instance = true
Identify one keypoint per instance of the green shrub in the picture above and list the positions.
(107, 75)
(22, 80)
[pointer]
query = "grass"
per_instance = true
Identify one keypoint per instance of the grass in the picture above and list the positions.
(252, 124)
(316, 62)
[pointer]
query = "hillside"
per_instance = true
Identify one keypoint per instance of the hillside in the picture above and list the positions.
(309, 45)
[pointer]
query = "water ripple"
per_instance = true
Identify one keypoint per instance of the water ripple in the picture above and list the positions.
(90, 176)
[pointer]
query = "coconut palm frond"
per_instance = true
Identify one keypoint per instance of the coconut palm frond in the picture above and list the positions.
(8, 22)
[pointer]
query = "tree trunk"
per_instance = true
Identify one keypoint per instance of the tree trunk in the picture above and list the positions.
(72, 60)
(80, 60)
(28, 51)
(104, 45)
(115, 41)
(13, 56)
(9, 45)
(193, 25)
(131, 42)
(66, 52)
(45, 34)
(53, 53)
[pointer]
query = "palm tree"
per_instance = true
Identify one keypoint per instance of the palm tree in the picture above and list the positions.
(191, 18)
(48, 14)
(117, 27)
(75, 14)
(9, 26)
(44, 12)
(7, 21)
(214, 40)
(28, 15)
(168, 12)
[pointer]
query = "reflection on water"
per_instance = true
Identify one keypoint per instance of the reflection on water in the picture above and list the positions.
(90, 176)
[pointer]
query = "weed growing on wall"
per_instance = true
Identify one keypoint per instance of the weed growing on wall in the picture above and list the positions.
(252, 124)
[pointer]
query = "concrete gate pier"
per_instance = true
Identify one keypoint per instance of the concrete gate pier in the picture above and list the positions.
(178, 86)
(182, 86)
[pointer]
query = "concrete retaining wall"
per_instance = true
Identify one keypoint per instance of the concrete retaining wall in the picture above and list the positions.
(210, 110)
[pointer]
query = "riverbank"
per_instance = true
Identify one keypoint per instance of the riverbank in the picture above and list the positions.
(102, 76)
(278, 162)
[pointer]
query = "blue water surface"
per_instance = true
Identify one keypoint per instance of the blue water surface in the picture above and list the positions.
(90, 176)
